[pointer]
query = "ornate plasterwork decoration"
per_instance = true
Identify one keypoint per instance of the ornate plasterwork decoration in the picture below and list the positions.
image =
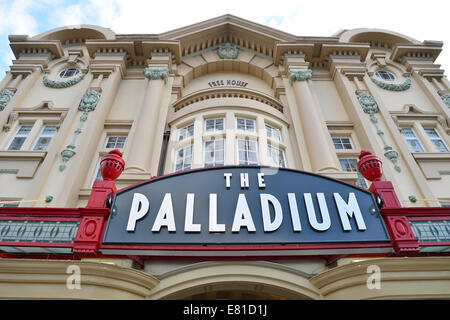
(228, 51)
(154, 74)
(370, 107)
(5, 97)
(393, 86)
(446, 98)
(88, 103)
(62, 84)
(299, 75)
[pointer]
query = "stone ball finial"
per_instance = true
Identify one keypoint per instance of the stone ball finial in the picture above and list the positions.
(112, 165)
(370, 166)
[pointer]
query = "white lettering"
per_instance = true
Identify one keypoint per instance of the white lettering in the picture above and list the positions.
(242, 216)
(139, 208)
(325, 224)
(213, 226)
(189, 225)
(261, 183)
(244, 180)
(349, 209)
(227, 177)
(165, 217)
(275, 224)
(294, 212)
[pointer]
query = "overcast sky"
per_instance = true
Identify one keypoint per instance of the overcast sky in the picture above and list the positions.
(419, 19)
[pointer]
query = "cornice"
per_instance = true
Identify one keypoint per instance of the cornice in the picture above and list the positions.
(22, 46)
(429, 49)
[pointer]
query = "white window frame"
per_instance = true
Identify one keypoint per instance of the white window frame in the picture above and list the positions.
(435, 138)
(245, 124)
(360, 176)
(271, 129)
(183, 133)
(215, 124)
(184, 158)
(16, 135)
(63, 72)
(352, 146)
(256, 151)
(415, 138)
(42, 135)
(215, 160)
(97, 172)
(391, 75)
(278, 151)
(115, 143)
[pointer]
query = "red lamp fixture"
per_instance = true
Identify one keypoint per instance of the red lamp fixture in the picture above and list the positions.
(370, 166)
(112, 165)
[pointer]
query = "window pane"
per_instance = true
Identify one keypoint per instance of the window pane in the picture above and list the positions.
(17, 143)
(439, 144)
(414, 145)
(408, 133)
(431, 132)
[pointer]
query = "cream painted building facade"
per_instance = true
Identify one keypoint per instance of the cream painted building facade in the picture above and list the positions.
(225, 91)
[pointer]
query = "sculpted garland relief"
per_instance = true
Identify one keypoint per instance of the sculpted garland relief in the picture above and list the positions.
(393, 86)
(62, 84)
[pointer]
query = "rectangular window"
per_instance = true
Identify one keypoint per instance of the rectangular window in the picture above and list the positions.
(183, 159)
(214, 153)
(9, 205)
(273, 133)
(212, 125)
(44, 138)
(186, 132)
(97, 173)
(351, 165)
(246, 124)
(411, 140)
(436, 139)
(276, 156)
(342, 143)
(247, 152)
(115, 142)
(19, 138)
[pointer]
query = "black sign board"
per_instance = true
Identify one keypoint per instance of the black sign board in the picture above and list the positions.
(244, 205)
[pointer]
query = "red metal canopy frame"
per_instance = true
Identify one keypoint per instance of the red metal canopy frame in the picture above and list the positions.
(91, 222)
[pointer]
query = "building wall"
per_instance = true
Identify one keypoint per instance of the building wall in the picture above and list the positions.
(144, 89)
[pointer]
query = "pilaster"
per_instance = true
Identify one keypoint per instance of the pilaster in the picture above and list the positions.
(317, 139)
(150, 118)
(79, 145)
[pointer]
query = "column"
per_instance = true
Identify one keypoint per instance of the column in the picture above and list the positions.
(262, 141)
(321, 151)
(197, 154)
(146, 122)
(230, 143)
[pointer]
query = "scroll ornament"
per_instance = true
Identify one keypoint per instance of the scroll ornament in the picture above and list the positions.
(228, 51)
(88, 103)
(370, 107)
(299, 75)
(5, 97)
(154, 74)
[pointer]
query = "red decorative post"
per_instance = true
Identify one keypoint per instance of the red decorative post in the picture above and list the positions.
(402, 236)
(94, 215)
(371, 168)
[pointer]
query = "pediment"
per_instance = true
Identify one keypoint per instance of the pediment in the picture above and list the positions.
(227, 28)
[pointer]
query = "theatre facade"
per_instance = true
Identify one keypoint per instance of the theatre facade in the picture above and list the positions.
(224, 160)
